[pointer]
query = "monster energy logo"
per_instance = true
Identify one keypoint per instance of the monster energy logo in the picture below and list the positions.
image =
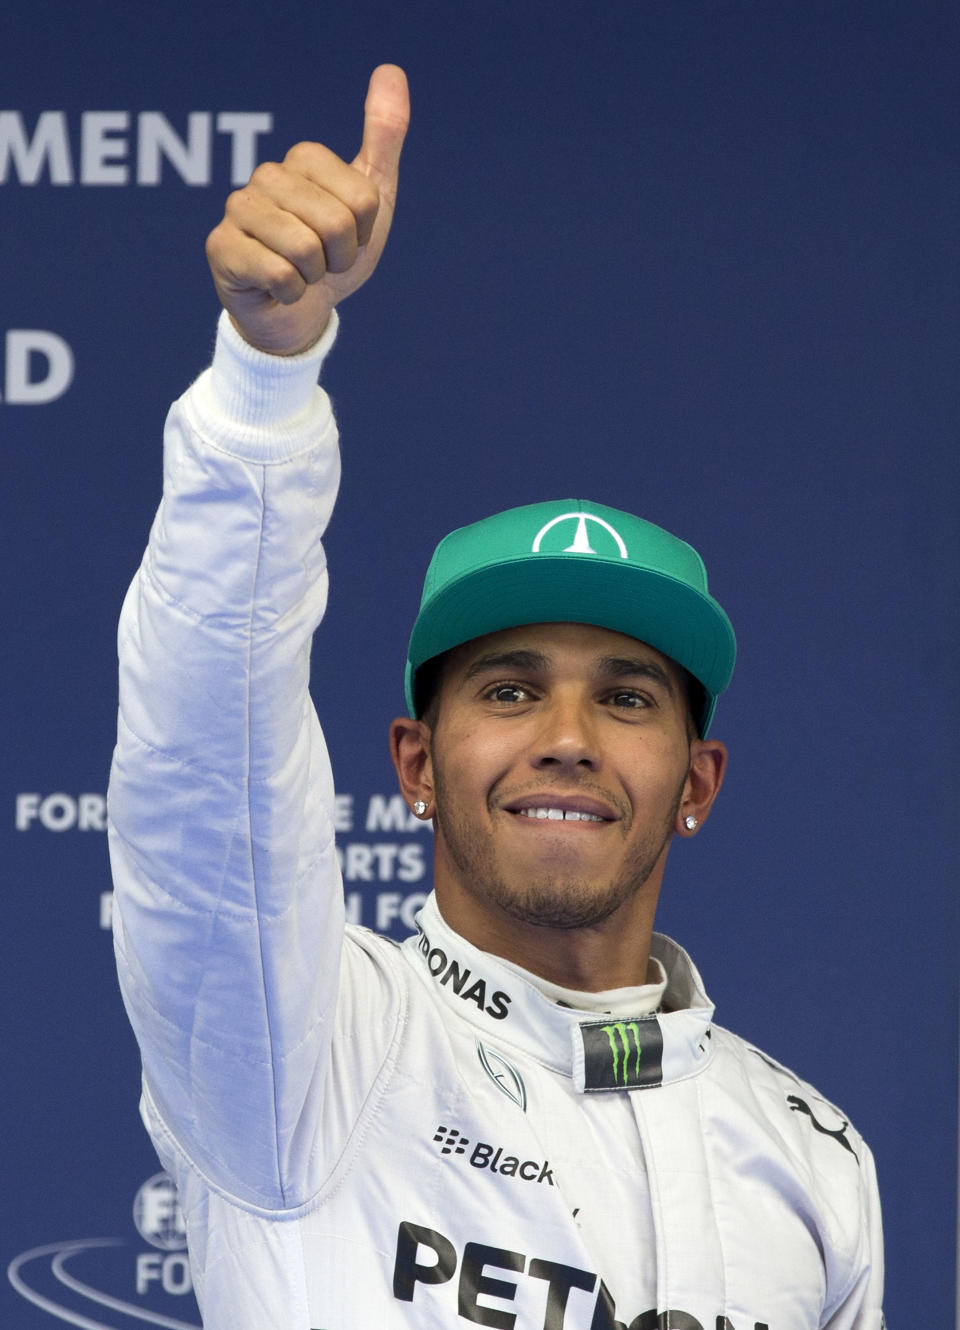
(619, 1036)
(622, 1055)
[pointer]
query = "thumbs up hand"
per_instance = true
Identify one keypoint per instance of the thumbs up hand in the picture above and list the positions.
(306, 232)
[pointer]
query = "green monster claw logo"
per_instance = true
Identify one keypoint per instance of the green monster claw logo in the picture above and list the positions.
(618, 1036)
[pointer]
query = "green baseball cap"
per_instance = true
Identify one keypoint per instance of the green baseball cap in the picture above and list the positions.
(573, 561)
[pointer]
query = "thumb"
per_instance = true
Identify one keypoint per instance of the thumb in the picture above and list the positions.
(386, 114)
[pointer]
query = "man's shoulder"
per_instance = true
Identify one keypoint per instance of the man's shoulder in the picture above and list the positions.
(370, 942)
(365, 950)
(810, 1127)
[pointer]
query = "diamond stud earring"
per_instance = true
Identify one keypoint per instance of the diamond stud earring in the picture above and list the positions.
(419, 808)
(690, 822)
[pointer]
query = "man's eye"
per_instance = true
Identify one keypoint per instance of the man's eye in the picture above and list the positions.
(629, 699)
(507, 692)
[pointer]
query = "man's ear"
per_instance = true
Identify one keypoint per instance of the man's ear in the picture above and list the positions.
(708, 765)
(410, 750)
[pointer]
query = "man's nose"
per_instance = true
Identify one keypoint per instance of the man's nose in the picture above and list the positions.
(566, 735)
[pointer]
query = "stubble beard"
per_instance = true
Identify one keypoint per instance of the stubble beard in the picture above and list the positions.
(550, 899)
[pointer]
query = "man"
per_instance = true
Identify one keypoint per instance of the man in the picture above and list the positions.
(524, 1117)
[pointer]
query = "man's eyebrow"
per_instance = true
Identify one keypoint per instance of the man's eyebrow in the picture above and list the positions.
(620, 667)
(520, 659)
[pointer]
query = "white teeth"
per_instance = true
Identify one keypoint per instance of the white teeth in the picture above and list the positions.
(559, 815)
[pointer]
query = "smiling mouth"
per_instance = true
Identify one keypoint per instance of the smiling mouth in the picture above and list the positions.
(558, 815)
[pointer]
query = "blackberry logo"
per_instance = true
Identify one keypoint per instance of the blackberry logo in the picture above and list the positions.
(452, 1141)
(493, 1158)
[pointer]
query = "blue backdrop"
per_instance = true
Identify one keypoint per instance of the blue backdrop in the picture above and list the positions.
(696, 259)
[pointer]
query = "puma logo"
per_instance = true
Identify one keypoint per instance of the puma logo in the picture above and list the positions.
(838, 1133)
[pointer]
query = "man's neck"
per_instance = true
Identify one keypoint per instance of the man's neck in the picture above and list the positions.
(612, 953)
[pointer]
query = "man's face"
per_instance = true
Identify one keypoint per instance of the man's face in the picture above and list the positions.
(559, 757)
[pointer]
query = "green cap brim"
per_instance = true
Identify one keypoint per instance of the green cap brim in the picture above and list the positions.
(668, 614)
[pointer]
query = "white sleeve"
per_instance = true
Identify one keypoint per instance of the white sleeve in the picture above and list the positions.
(228, 904)
(861, 1308)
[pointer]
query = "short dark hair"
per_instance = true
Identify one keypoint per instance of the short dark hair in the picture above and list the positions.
(426, 686)
(429, 678)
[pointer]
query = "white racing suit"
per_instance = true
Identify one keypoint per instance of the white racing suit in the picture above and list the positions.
(366, 1135)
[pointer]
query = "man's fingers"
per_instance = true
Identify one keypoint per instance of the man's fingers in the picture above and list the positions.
(244, 267)
(307, 212)
(334, 177)
(386, 115)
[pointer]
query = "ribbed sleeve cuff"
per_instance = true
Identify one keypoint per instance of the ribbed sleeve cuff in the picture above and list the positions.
(260, 407)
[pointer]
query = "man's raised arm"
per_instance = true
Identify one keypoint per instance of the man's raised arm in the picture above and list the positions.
(228, 912)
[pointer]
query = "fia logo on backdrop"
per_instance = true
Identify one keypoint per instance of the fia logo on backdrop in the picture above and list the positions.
(105, 1283)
